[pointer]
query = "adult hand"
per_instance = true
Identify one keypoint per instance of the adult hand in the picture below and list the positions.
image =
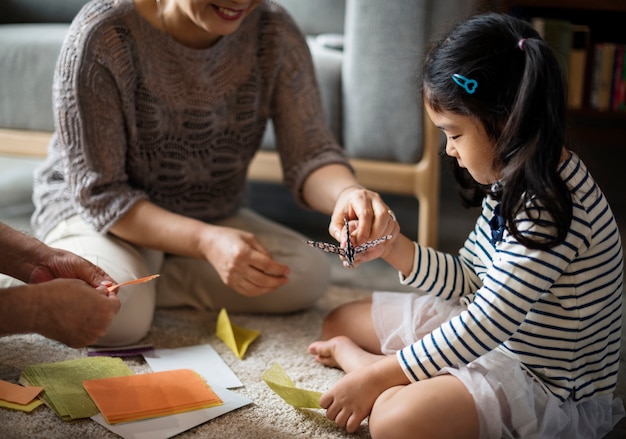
(57, 263)
(243, 263)
(240, 260)
(71, 311)
(370, 218)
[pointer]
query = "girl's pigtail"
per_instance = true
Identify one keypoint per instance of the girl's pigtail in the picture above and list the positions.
(530, 147)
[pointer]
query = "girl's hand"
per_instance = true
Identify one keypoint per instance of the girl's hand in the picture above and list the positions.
(351, 399)
(243, 263)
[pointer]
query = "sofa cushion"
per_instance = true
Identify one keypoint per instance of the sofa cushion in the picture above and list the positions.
(38, 11)
(317, 16)
(29, 53)
(381, 90)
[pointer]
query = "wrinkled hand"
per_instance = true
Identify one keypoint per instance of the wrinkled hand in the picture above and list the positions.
(59, 263)
(73, 312)
(244, 264)
(351, 399)
(370, 218)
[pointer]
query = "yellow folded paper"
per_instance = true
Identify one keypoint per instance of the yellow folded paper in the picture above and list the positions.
(21, 407)
(235, 337)
(276, 378)
(150, 395)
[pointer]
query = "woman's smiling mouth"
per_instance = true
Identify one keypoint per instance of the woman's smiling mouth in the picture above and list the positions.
(226, 13)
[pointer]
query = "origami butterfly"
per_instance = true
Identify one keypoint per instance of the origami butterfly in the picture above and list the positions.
(349, 251)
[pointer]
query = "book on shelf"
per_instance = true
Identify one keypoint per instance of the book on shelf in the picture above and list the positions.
(558, 34)
(618, 102)
(595, 70)
(580, 38)
(608, 77)
(602, 75)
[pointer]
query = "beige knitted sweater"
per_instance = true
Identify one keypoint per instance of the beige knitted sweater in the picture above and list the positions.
(140, 116)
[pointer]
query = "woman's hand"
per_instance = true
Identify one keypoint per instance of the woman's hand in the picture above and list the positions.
(243, 263)
(369, 218)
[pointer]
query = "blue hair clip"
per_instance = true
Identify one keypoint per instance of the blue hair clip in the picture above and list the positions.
(468, 84)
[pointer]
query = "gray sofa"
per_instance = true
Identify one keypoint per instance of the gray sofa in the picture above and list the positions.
(367, 55)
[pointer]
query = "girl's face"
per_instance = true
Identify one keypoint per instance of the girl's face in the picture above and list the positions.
(467, 141)
(200, 23)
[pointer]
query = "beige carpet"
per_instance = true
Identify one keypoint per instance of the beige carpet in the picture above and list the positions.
(284, 339)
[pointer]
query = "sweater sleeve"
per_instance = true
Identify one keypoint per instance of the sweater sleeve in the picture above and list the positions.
(303, 138)
(90, 124)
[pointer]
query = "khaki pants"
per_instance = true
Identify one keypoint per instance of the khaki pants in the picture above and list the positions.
(190, 282)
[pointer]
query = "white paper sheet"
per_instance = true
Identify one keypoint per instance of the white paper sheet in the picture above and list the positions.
(201, 358)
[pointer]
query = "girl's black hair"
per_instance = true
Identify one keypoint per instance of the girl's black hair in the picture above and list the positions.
(520, 100)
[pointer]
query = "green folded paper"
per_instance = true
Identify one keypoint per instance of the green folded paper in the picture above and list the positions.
(276, 378)
(63, 383)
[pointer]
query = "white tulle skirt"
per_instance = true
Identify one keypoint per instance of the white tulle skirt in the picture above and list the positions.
(510, 402)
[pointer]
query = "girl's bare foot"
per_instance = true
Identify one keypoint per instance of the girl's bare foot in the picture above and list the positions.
(343, 353)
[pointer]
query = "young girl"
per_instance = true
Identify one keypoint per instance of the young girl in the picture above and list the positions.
(520, 335)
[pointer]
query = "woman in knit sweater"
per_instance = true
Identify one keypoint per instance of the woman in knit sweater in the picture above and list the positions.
(160, 106)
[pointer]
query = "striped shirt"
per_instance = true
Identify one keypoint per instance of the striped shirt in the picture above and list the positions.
(557, 311)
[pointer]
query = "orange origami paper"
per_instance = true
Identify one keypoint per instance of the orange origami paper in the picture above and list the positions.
(18, 394)
(150, 395)
(235, 337)
(18, 397)
(132, 282)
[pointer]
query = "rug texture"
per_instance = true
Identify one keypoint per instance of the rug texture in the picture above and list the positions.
(284, 339)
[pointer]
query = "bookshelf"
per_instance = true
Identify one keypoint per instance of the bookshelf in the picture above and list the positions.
(596, 5)
(597, 136)
(594, 57)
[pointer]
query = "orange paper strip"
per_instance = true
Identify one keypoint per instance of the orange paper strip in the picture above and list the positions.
(131, 282)
(18, 394)
(150, 395)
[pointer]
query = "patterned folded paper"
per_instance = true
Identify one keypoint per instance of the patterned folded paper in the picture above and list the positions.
(16, 397)
(235, 337)
(123, 351)
(276, 378)
(63, 383)
(151, 395)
